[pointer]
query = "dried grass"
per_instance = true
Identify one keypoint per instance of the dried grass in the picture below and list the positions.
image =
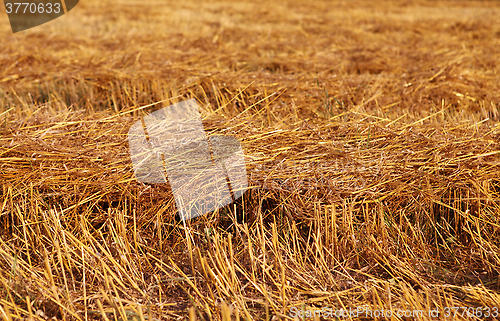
(372, 144)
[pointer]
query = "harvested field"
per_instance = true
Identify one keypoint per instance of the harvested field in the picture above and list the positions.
(372, 143)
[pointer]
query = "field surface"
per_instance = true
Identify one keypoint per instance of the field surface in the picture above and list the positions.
(372, 146)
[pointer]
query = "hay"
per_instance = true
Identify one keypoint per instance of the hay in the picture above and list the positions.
(372, 145)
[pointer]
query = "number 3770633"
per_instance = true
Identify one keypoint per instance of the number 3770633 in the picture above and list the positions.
(31, 7)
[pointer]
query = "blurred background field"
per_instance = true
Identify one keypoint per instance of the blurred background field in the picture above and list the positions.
(371, 135)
